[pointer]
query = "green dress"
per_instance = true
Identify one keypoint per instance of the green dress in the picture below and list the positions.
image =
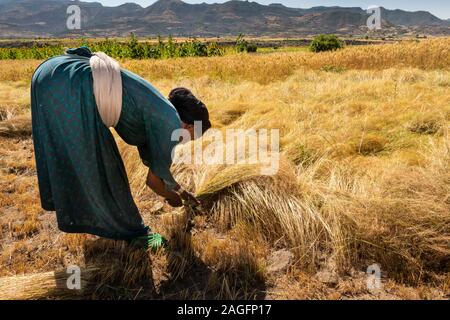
(80, 172)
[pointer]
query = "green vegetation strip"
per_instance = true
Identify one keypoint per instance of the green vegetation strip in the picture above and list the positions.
(132, 49)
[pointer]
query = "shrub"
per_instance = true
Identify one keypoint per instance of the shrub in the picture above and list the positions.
(214, 49)
(251, 47)
(243, 45)
(326, 43)
(136, 50)
(193, 48)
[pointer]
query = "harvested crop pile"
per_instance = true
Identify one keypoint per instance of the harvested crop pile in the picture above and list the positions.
(326, 210)
(42, 286)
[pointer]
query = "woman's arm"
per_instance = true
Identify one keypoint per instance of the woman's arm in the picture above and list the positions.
(159, 187)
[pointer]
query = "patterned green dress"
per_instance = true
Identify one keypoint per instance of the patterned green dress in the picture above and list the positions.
(80, 172)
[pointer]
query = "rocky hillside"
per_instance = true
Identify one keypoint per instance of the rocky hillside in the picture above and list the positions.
(47, 18)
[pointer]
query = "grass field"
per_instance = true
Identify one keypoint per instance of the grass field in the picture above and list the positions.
(364, 179)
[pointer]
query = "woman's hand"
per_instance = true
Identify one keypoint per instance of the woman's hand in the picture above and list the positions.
(174, 201)
(174, 198)
(189, 199)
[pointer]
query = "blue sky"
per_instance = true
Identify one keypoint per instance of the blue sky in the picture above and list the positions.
(440, 8)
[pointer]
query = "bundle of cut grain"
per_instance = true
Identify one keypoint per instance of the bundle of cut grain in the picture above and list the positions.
(54, 284)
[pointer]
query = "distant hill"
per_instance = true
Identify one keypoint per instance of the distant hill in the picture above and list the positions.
(47, 18)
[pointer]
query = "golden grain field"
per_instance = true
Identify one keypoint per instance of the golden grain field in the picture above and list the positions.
(364, 179)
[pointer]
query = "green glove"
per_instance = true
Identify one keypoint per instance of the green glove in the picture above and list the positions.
(153, 241)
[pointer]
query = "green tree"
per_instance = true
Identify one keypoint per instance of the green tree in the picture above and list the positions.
(326, 43)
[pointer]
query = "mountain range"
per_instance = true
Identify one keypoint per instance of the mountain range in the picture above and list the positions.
(47, 18)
